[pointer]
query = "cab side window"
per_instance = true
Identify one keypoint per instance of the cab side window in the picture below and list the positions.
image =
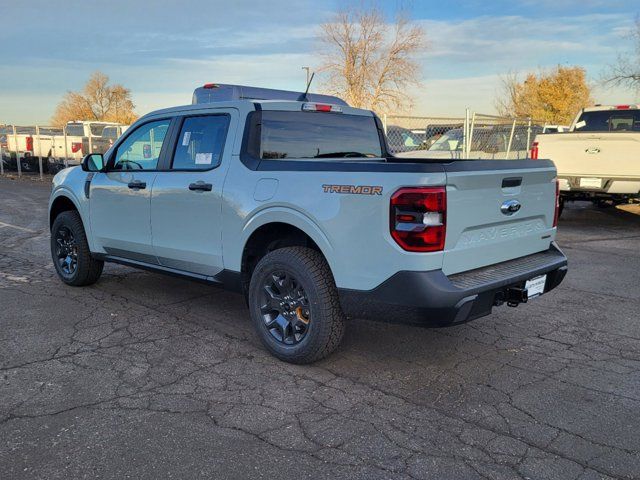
(141, 149)
(200, 142)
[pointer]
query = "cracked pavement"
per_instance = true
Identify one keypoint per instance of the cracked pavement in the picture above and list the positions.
(148, 376)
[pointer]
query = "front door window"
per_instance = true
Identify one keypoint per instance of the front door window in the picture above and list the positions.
(141, 149)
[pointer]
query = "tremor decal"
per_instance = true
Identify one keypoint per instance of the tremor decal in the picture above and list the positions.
(353, 189)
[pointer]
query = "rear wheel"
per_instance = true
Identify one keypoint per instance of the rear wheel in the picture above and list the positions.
(70, 251)
(294, 305)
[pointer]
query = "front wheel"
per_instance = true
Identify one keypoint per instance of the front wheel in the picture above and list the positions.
(70, 251)
(294, 305)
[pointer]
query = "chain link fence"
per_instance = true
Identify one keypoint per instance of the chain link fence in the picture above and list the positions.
(407, 134)
(474, 135)
(492, 137)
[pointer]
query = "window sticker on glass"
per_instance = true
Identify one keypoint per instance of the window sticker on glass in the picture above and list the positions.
(186, 138)
(204, 158)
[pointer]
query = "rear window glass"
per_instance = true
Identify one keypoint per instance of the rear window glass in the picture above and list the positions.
(26, 130)
(75, 130)
(96, 129)
(200, 143)
(448, 142)
(50, 131)
(110, 132)
(397, 136)
(303, 135)
(609, 121)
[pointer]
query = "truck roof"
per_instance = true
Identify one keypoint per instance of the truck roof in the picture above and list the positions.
(599, 108)
(91, 122)
(286, 105)
(220, 92)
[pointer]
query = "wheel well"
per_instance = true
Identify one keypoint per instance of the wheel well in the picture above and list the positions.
(60, 204)
(267, 238)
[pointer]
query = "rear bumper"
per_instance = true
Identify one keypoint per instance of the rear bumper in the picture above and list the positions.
(610, 187)
(432, 297)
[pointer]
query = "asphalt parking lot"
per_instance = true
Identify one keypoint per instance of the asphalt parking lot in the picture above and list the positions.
(146, 376)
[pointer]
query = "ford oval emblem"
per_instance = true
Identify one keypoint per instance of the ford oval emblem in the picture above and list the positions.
(510, 207)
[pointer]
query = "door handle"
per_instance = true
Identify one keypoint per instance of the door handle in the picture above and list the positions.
(205, 187)
(137, 184)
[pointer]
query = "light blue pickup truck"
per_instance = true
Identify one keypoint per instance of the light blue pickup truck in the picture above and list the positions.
(294, 200)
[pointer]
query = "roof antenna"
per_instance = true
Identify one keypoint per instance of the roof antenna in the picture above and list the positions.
(303, 97)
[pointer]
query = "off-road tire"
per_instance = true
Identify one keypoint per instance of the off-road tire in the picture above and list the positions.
(326, 323)
(88, 269)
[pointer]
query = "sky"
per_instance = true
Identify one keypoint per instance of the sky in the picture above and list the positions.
(163, 49)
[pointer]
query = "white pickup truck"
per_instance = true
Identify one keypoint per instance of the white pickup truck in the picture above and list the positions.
(599, 158)
(82, 138)
(52, 145)
(19, 147)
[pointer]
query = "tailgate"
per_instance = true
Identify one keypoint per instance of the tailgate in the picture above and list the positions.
(481, 228)
(593, 154)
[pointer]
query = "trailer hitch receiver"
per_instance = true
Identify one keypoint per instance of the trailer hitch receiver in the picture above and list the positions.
(516, 295)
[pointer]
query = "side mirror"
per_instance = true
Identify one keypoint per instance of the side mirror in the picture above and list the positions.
(94, 162)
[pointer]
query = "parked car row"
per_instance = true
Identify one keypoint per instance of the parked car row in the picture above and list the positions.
(56, 147)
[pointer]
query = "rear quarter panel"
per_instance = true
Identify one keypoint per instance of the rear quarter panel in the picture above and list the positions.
(352, 230)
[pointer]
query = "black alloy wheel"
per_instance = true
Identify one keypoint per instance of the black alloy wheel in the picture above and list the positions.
(70, 251)
(285, 308)
(294, 305)
(66, 250)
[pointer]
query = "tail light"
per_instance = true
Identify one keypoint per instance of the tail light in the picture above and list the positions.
(418, 218)
(623, 107)
(76, 147)
(533, 154)
(210, 85)
(29, 144)
(557, 211)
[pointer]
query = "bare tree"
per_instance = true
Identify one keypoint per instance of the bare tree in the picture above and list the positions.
(508, 97)
(626, 71)
(368, 62)
(97, 101)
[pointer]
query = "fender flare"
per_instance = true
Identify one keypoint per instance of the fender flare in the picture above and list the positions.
(68, 194)
(295, 218)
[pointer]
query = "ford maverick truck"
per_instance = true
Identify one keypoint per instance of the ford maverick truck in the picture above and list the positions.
(294, 200)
